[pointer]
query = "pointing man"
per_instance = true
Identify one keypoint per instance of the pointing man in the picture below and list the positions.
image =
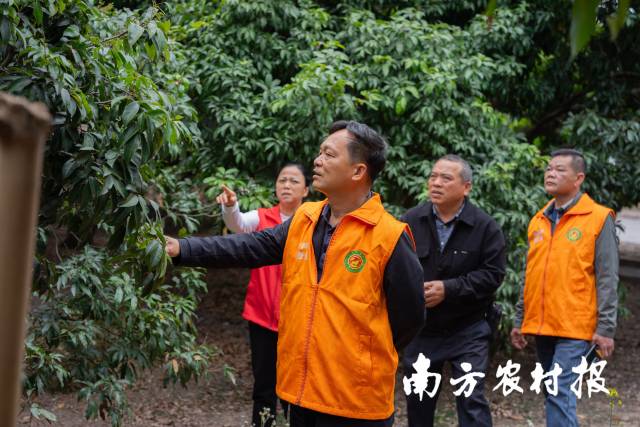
(351, 287)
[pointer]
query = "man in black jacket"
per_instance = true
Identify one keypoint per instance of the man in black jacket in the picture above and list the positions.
(462, 252)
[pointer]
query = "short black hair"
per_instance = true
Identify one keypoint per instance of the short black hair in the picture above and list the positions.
(365, 145)
(577, 158)
(300, 167)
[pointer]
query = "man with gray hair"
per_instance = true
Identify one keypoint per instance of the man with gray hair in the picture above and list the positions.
(462, 253)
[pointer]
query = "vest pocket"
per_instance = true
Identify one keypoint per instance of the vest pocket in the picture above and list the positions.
(364, 360)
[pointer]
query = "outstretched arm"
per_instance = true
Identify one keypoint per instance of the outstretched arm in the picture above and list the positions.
(250, 250)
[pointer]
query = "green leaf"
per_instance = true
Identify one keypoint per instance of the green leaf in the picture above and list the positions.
(135, 31)
(129, 112)
(68, 167)
(197, 24)
(72, 32)
(229, 372)
(119, 295)
(132, 200)
(20, 85)
(401, 105)
(115, 101)
(165, 26)
(131, 147)
(150, 48)
(616, 21)
(37, 12)
(413, 91)
(491, 8)
(66, 98)
(108, 183)
(154, 253)
(583, 24)
(5, 28)
(38, 412)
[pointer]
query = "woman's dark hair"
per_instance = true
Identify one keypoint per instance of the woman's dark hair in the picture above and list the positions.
(365, 145)
(300, 167)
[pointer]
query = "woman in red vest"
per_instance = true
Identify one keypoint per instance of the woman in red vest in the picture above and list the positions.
(262, 304)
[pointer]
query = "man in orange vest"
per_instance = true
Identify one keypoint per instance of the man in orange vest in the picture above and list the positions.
(569, 298)
(352, 292)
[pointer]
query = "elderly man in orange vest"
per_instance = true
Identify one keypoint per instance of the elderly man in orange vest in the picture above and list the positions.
(569, 299)
(351, 287)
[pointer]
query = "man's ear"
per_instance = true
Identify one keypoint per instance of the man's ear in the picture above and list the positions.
(467, 188)
(359, 171)
(579, 179)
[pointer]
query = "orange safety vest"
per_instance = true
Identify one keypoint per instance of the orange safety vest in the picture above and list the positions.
(335, 346)
(560, 284)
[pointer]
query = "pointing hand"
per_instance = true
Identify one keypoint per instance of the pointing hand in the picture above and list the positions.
(227, 197)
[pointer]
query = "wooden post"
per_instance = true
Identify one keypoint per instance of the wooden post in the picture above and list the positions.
(24, 127)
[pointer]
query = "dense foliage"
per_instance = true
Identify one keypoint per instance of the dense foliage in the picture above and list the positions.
(157, 106)
(102, 311)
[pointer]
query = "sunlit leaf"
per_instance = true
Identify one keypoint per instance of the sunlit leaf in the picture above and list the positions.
(583, 23)
(134, 32)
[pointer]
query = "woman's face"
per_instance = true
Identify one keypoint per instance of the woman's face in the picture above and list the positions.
(290, 186)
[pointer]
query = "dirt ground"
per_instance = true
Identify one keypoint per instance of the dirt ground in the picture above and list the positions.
(215, 401)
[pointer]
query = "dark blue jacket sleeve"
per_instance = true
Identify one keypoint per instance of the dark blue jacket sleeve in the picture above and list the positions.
(250, 250)
(404, 290)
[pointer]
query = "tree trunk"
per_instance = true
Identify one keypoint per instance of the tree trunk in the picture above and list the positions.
(24, 127)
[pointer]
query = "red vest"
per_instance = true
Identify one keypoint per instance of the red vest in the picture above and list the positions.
(262, 304)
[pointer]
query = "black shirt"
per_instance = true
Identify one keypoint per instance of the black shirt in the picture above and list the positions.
(321, 239)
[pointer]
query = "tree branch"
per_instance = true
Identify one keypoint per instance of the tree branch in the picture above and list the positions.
(124, 32)
(563, 109)
(117, 36)
(626, 75)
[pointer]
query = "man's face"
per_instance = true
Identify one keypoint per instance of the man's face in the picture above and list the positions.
(332, 168)
(560, 178)
(446, 187)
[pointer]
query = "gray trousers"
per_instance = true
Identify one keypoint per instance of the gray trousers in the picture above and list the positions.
(470, 345)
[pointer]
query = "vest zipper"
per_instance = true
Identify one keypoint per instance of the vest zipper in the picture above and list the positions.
(544, 284)
(546, 265)
(311, 315)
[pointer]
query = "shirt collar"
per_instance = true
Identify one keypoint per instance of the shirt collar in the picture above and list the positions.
(455, 217)
(562, 209)
(326, 211)
(468, 214)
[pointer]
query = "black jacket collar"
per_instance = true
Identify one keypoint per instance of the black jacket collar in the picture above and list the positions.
(468, 214)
